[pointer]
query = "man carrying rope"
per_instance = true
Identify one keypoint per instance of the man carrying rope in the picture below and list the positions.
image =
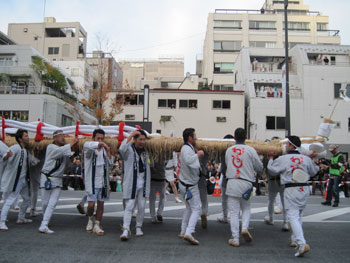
(56, 159)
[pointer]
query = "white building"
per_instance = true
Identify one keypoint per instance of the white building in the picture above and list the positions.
(24, 97)
(230, 30)
(317, 73)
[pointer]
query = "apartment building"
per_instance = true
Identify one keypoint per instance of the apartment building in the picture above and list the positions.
(318, 76)
(57, 41)
(230, 30)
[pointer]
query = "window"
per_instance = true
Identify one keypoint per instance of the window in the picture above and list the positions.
(322, 26)
(275, 123)
(169, 103)
(262, 25)
(54, 50)
(159, 131)
(221, 104)
(227, 46)
(262, 44)
(66, 121)
(298, 26)
(223, 67)
(220, 119)
(337, 125)
(130, 99)
(6, 61)
(223, 87)
(349, 124)
(337, 88)
(15, 115)
(227, 24)
(192, 104)
(129, 117)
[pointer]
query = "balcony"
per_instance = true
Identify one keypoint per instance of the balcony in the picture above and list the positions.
(271, 67)
(328, 33)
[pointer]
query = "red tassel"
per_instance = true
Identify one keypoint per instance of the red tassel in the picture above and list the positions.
(77, 132)
(39, 136)
(138, 127)
(121, 133)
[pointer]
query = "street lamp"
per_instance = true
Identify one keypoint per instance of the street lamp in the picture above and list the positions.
(287, 119)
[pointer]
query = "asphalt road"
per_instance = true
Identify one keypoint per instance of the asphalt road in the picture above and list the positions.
(326, 229)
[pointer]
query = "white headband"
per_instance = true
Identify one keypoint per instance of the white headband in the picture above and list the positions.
(59, 133)
(296, 147)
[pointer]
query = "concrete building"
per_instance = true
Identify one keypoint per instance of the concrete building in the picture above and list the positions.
(183, 104)
(81, 73)
(25, 97)
(317, 74)
(150, 69)
(107, 70)
(55, 40)
(228, 31)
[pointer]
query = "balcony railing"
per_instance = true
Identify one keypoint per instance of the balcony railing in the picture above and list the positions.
(271, 67)
(329, 33)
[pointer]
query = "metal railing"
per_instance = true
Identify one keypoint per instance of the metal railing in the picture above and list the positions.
(267, 67)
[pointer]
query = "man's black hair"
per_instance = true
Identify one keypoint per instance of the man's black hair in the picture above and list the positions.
(142, 132)
(187, 133)
(19, 134)
(240, 135)
(295, 140)
(98, 131)
(228, 136)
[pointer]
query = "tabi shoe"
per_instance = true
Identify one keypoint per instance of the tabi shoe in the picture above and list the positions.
(45, 230)
(204, 221)
(247, 236)
(178, 200)
(24, 221)
(285, 227)
(139, 232)
(90, 225)
(302, 250)
(33, 213)
(125, 235)
(335, 205)
(154, 220)
(160, 218)
(191, 239)
(3, 226)
(293, 244)
(326, 203)
(98, 229)
(181, 235)
(222, 219)
(80, 209)
(268, 220)
(233, 242)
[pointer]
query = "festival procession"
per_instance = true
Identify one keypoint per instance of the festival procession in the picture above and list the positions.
(164, 131)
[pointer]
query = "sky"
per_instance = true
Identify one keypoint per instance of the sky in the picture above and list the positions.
(141, 29)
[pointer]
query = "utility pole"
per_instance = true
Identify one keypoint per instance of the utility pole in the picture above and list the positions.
(286, 46)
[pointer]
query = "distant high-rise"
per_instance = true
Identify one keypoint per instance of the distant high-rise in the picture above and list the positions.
(229, 30)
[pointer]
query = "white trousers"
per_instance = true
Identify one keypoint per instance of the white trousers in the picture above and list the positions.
(191, 214)
(235, 205)
(34, 189)
(129, 206)
(294, 216)
(160, 188)
(224, 198)
(274, 188)
(21, 190)
(202, 185)
(49, 199)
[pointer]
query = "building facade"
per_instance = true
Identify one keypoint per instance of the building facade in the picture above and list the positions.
(318, 74)
(57, 41)
(228, 31)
